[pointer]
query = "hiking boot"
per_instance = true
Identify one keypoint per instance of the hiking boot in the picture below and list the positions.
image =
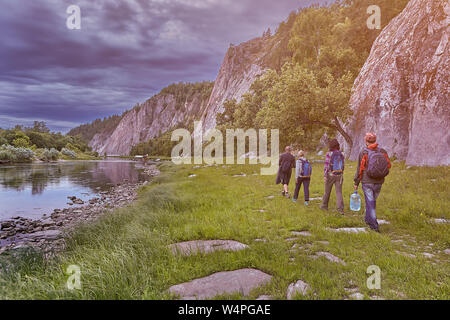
(294, 200)
(282, 193)
(287, 195)
(324, 208)
(306, 203)
(341, 212)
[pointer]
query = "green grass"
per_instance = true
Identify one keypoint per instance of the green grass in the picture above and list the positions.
(125, 256)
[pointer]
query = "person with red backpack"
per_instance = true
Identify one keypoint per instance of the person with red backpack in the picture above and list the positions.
(303, 172)
(373, 167)
(334, 175)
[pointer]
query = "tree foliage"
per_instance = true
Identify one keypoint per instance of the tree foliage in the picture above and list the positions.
(323, 49)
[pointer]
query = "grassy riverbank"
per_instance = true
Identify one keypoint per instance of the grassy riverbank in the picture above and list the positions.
(125, 256)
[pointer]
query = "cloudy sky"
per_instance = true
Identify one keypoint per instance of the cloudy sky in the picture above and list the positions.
(125, 51)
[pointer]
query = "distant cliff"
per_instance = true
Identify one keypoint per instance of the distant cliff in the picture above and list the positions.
(240, 67)
(174, 105)
(402, 91)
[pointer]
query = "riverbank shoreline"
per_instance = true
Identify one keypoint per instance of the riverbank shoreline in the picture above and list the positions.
(47, 234)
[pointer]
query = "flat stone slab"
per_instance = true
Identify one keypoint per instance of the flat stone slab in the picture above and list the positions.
(409, 255)
(299, 287)
(206, 246)
(349, 230)
(328, 256)
(302, 233)
(47, 234)
(260, 240)
(357, 296)
(440, 220)
(226, 282)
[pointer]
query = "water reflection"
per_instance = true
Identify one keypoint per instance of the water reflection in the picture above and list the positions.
(34, 189)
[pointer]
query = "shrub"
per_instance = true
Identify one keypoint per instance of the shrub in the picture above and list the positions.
(50, 155)
(68, 153)
(19, 154)
(21, 143)
(6, 155)
(71, 147)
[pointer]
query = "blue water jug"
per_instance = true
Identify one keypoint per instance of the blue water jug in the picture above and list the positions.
(355, 202)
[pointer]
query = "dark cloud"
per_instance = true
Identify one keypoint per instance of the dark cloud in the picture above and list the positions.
(125, 52)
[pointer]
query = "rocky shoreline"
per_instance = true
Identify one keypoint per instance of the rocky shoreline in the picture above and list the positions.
(47, 234)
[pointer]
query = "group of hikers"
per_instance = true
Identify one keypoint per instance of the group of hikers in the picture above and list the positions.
(373, 167)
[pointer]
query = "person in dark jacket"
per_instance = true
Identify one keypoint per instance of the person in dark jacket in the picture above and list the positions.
(332, 177)
(286, 164)
(371, 186)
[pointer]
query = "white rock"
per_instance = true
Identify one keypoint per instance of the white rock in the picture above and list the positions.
(350, 230)
(302, 233)
(357, 296)
(299, 287)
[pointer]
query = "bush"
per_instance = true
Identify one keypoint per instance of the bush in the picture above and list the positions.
(21, 143)
(6, 155)
(50, 155)
(19, 154)
(71, 147)
(68, 153)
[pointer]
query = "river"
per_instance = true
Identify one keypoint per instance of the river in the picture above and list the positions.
(32, 190)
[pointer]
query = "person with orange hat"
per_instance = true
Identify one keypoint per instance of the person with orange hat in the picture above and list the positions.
(373, 167)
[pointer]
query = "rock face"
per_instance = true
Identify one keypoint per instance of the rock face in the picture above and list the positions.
(148, 120)
(402, 92)
(240, 67)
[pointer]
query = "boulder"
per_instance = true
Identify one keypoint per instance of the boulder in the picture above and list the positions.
(226, 282)
(206, 246)
(296, 288)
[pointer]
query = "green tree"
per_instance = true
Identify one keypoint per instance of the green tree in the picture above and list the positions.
(297, 104)
(40, 126)
(21, 143)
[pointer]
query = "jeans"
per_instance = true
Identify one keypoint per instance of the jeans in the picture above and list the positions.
(371, 193)
(298, 185)
(337, 181)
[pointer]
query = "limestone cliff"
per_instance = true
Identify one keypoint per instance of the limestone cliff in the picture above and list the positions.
(152, 118)
(240, 67)
(402, 91)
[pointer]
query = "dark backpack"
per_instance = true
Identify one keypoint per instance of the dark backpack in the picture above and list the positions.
(377, 166)
(337, 162)
(306, 169)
